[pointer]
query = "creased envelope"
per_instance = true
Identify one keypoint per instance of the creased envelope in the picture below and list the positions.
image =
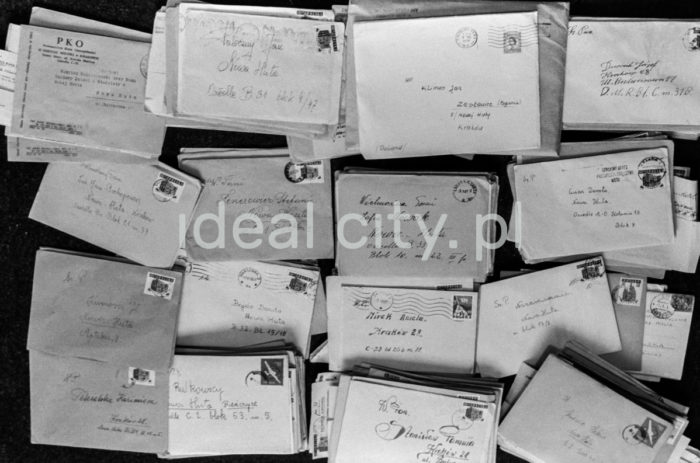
(83, 403)
(521, 316)
(411, 329)
(258, 67)
(105, 310)
(424, 90)
(290, 203)
(437, 216)
(632, 74)
(241, 303)
(86, 90)
(222, 405)
(607, 202)
(579, 420)
(140, 211)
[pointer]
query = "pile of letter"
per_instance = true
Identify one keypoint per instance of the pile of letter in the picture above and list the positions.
(192, 340)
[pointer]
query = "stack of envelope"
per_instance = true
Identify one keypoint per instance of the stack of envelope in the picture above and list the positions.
(587, 410)
(632, 74)
(78, 89)
(255, 69)
(424, 90)
(101, 340)
(386, 415)
(236, 402)
(387, 223)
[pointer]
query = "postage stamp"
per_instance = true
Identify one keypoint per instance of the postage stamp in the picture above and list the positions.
(159, 285)
(307, 172)
(271, 372)
(651, 171)
(141, 377)
(629, 291)
(168, 188)
(461, 307)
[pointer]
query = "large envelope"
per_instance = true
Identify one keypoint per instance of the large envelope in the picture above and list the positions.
(136, 211)
(565, 415)
(455, 200)
(231, 405)
(241, 303)
(521, 316)
(292, 201)
(85, 90)
(258, 67)
(83, 403)
(632, 74)
(607, 202)
(104, 310)
(396, 423)
(424, 91)
(411, 329)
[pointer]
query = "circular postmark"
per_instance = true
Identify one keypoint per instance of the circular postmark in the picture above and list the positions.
(651, 171)
(466, 37)
(294, 172)
(381, 301)
(249, 278)
(631, 434)
(691, 39)
(661, 307)
(464, 191)
(164, 190)
(143, 66)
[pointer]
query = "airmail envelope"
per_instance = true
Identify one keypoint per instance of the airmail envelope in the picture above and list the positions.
(632, 74)
(407, 328)
(292, 202)
(132, 210)
(521, 316)
(83, 403)
(423, 86)
(438, 223)
(105, 310)
(595, 204)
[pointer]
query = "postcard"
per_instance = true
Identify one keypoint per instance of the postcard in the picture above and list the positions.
(137, 211)
(103, 309)
(521, 316)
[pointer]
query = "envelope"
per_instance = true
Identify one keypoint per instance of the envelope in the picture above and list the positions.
(416, 98)
(257, 67)
(44, 17)
(629, 294)
(221, 405)
(442, 213)
(608, 202)
(685, 198)
(82, 403)
(521, 316)
(381, 422)
(646, 81)
(579, 420)
(242, 303)
(132, 210)
(105, 310)
(292, 201)
(411, 329)
(666, 332)
(94, 96)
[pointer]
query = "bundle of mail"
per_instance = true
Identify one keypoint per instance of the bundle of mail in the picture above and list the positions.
(192, 340)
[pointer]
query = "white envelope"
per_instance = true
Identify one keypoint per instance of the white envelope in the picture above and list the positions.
(521, 316)
(411, 329)
(241, 303)
(594, 204)
(423, 89)
(632, 74)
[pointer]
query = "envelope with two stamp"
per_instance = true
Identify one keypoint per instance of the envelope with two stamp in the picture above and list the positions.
(101, 340)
